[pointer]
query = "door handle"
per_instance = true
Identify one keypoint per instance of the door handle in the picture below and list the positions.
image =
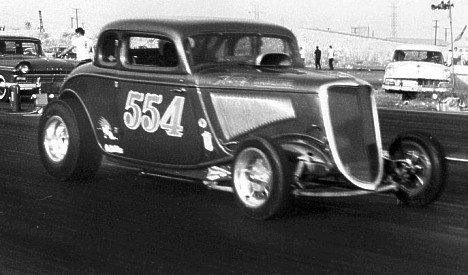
(179, 90)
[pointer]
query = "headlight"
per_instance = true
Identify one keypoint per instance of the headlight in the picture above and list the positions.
(446, 73)
(23, 68)
(389, 71)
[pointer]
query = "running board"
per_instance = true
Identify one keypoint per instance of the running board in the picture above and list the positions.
(327, 191)
(324, 191)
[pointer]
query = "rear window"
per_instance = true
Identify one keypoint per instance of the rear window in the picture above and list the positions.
(148, 51)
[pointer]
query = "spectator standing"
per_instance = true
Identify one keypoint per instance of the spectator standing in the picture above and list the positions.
(318, 57)
(303, 55)
(83, 46)
(456, 56)
(331, 57)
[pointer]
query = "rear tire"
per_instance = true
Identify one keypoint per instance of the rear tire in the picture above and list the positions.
(423, 179)
(67, 146)
(261, 179)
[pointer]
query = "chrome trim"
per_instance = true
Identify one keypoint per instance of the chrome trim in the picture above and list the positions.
(23, 86)
(323, 98)
(456, 159)
(215, 186)
(343, 192)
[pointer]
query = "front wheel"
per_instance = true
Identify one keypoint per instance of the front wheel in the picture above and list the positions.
(67, 146)
(4, 92)
(419, 167)
(261, 179)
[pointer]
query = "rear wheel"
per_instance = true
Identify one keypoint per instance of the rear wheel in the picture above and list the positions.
(67, 146)
(261, 179)
(420, 167)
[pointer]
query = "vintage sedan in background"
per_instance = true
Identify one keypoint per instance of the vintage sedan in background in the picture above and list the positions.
(230, 104)
(417, 69)
(23, 64)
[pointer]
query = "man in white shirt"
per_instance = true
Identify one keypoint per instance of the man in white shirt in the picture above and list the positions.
(83, 46)
(331, 56)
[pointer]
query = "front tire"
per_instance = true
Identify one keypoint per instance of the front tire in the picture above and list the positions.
(261, 179)
(4, 92)
(67, 146)
(421, 168)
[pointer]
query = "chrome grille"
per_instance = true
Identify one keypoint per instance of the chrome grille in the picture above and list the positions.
(46, 78)
(50, 83)
(355, 139)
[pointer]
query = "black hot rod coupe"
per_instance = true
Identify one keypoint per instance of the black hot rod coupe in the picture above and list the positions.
(229, 103)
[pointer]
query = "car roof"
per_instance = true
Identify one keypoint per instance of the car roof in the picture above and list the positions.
(418, 47)
(192, 25)
(12, 37)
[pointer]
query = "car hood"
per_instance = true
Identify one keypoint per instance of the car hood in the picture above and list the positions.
(40, 64)
(280, 79)
(415, 70)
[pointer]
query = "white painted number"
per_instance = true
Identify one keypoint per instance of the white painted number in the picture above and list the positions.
(132, 119)
(149, 118)
(172, 117)
(149, 122)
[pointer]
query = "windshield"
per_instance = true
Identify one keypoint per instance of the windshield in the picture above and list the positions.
(12, 47)
(423, 56)
(235, 47)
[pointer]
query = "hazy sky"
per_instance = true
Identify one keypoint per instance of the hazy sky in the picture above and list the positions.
(414, 17)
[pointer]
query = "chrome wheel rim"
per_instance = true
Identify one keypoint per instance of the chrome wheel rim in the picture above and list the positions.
(415, 169)
(3, 89)
(56, 139)
(253, 177)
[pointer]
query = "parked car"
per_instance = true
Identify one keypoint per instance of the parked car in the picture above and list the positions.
(417, 69)
(230, 104)
(23, 64)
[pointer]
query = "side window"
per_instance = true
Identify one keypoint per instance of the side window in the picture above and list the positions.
(109, 49)
(243, 47)
(30, 48)
(10, 47)
(274, 45)
(151, 52)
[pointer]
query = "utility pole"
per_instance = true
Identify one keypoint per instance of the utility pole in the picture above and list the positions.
(435, 30)
(446, 34)
(449, 6)
(256, 12)
(41, 25)
(394, 19)
(76, 17)
(71, 21)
